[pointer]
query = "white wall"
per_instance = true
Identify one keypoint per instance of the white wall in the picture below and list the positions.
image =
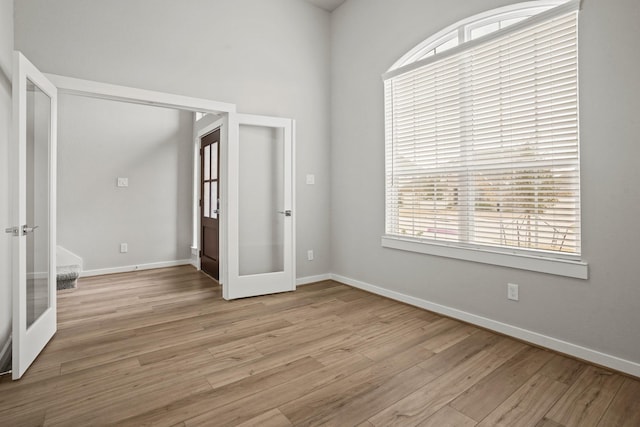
(268, 57)
(99, 141)
(601, 313)
(6, 64)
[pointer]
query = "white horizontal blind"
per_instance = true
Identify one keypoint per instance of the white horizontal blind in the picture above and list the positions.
(482, 145)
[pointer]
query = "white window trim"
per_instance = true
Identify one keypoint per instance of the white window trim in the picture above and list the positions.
(556, 264)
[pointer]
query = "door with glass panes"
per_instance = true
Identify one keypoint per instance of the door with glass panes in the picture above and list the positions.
(33, 172)
(210, 204)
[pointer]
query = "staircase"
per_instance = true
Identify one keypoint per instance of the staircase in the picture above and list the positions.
(67, 276)
(69, 267)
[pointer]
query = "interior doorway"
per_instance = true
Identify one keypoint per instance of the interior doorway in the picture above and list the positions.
(237, 136)
(210, 203)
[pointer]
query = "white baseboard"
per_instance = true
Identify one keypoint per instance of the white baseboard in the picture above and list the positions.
(300, 281)
(5, 355)
(587, 354)
(138, 267)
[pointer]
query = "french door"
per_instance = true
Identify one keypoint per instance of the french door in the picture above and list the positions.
(257, 202)
(260, 206)
(34, 213)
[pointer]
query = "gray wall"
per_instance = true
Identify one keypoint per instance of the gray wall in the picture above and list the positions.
(268, 57)
(601, 313)
(6, 64)
(99, 141)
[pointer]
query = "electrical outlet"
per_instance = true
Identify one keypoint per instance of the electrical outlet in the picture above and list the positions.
(512, 292)
(123, 182)
(310, 255)
(124, 248)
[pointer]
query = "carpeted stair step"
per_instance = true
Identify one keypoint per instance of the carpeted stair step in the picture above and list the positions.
(67, 276)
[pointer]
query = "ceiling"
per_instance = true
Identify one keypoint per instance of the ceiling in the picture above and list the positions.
(329, 5)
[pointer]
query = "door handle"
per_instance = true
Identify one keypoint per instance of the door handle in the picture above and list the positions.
(12, 230)
(16, 230)
(26, 229)
(285, 213)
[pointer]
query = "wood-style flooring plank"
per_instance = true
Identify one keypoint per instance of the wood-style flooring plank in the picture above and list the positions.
(244, 409)
(487, 394)
(586, 401)
(527, 406)
(328, 402)
(448, 417)
(418, 406)
(272, 418)
(624, 411)
(191, 406)
(545, 422)
(563, 369)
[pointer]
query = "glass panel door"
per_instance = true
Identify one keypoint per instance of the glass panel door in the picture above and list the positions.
(34, 239)
(261, 220)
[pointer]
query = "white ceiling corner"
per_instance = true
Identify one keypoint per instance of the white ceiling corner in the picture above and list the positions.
(328, 5)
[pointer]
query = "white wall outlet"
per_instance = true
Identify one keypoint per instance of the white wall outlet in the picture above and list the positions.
(124, 248)
(310, 255)
(311, 179)
(512, 291)
(123, 182)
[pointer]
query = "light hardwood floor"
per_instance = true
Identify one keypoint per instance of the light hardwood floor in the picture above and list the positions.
(163, 348)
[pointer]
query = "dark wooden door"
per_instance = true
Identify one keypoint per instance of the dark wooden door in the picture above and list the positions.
(209, 203)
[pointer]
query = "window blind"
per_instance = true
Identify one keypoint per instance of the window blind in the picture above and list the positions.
(482, 145)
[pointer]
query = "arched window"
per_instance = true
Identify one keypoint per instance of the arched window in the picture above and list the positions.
(475, 27)
(482, 149)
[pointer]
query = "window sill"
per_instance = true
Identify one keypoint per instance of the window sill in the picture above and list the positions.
(559, 267)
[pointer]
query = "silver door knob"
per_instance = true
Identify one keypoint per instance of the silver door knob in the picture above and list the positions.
(26, 229)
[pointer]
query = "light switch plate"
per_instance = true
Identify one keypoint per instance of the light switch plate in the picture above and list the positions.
(311, 179)
(123, 182)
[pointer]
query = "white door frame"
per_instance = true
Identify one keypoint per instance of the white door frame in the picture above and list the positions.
(93, 89)
(87, 88)
(99, 90)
